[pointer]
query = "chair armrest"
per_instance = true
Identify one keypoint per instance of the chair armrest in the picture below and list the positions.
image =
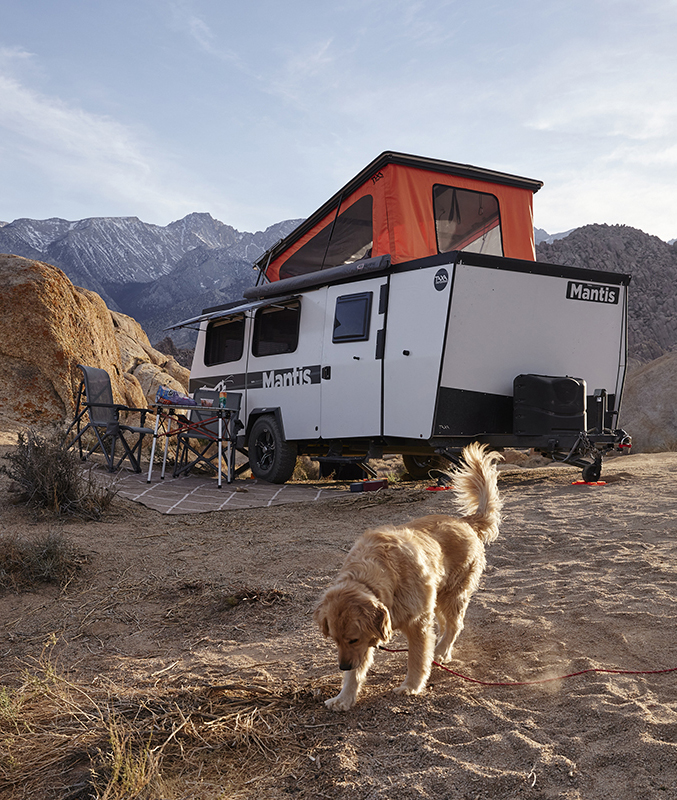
(143, 412)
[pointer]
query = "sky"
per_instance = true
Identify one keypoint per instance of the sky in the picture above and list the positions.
(259, 111)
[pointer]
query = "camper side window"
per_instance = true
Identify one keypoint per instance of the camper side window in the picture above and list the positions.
(345, 240)
(225, 340)
(276, 329)
(466, 220)
(351, 318)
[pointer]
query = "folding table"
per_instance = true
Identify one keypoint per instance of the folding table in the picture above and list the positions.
(210, 425)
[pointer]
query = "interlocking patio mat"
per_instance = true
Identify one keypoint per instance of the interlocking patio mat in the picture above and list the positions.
(195, 494)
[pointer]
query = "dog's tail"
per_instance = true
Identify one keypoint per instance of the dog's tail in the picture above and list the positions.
(476, 490)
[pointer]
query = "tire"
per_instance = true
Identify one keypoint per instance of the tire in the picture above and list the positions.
(419, 467)
(591, 472)
(271, 457)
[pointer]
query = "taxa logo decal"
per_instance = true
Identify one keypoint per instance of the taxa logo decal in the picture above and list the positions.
(441, 279)
(281, 378)
(593, 293)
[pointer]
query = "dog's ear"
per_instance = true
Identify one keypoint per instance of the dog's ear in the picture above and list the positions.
(381, 621)
(320, 617)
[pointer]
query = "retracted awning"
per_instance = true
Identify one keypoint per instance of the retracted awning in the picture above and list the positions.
(229, 311)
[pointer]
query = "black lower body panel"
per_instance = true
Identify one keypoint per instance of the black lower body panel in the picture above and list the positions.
(461, 412)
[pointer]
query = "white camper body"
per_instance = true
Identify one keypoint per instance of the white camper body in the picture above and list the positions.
(421, 358)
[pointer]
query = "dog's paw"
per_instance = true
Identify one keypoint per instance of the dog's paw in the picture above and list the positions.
(405, 688)
(339, 703)
(443, 656)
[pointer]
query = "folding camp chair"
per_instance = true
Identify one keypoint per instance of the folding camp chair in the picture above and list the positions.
(201, 440)
(95, 402)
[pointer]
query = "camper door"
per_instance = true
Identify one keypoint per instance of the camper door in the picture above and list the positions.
(418, 306)
(352, 358)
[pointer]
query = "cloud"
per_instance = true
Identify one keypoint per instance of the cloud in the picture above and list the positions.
(10, 57)
(303, 76)
(662, 155)
(83, 155)
(66, 140)
(69, 162)
(185, 20)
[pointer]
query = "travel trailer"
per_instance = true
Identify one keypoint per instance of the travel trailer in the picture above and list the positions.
(408, 315)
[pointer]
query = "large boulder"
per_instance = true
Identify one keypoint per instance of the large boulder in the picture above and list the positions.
(48, 327)
(649, 411)
(149, 366)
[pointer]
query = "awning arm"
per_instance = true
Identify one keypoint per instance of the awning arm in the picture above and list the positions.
(223, 312)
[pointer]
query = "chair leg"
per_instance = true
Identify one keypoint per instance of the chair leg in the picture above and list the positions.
(180, 458)
(101, 443)
(187, 456)
(131, 453)
(111, 463)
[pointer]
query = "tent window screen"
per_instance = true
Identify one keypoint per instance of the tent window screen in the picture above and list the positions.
(466, 220)
(225, 340)
(351, 319)
(351, 240)
(276, 329)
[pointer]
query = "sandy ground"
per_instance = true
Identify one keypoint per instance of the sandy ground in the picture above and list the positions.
(581, 578)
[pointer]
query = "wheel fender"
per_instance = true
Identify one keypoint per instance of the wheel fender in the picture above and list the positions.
(273, 411)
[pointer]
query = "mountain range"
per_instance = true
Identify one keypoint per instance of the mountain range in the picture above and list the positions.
(160, 275)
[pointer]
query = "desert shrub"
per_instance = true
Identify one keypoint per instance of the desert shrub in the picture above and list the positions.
(45, 559)
(305, 470)
(49, 476)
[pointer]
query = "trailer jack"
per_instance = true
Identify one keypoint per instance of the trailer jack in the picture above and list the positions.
(589, 449)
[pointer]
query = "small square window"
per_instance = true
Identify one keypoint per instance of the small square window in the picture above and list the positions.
(225, 341)
(276, 329)
(352, 317)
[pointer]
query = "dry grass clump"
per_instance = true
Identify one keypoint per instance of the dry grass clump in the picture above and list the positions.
(265, 597)
(305, 470)
(48, 558)
(197, 603)
(50, 477)
(57, 739)
(308, 470)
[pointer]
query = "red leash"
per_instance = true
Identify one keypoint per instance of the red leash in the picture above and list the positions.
(542, 680)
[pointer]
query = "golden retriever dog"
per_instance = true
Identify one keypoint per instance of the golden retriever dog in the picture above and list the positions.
(405, 577)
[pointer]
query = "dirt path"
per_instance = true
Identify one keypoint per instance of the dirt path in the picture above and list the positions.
(580, 578)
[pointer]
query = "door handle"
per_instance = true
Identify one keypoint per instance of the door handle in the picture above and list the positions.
(326, 373)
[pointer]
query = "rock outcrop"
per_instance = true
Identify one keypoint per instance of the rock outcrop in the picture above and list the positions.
(145, 364)
(648, 411)
(48, 326)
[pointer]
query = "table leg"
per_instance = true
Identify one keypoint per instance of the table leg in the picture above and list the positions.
(168, 433)
(229, 448)
(152, 449)
(220, 446)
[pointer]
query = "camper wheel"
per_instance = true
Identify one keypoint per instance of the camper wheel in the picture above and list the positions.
(591, 472)
(419, 467)
(271, 458)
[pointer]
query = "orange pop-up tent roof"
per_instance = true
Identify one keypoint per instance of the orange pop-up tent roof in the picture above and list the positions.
(410, 207)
